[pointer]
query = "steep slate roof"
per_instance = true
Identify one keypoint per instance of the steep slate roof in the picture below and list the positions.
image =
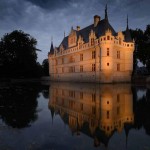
(127, 33)
(51, 49)
(99, 30)
(128, 36)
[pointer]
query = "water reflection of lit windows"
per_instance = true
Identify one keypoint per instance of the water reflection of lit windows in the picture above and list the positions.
(93, 110)
(81, 107)
(118, 98)
(63, 92)
(81, 95)
(108, 128)
(118, 110)
(107, 114)
(62, 101)
(93, 97)
(72, 94)
(71, 104)
(56, 91)
(92, 123)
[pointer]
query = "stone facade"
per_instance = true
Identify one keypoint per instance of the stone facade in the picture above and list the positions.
(93, 54)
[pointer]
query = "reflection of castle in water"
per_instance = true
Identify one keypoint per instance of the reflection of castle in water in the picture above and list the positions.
(96, 110)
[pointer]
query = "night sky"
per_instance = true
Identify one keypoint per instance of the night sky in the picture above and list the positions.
(44, 19)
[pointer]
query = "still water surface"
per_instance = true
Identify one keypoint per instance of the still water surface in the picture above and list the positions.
(67, 116)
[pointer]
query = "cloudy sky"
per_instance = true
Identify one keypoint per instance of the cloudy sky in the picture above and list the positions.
(44, 19)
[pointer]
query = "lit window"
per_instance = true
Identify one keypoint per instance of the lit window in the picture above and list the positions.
(118, 67)
(56, 62)
(118, 54)
(81, 57)
(120, 41)
(93, 97)
(93, 67)
(118, 110)
(107, 114)
(63, 92)
(93, 110)
(118, 98)
(108, 37)
(81, 95)
(92, 41)
(72, 69)
(107, 51)
(93, 54)
(81, 106)
(81, 68)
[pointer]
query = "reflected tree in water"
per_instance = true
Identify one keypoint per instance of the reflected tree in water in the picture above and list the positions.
(18, 105)
(142, 112)
(45, 92)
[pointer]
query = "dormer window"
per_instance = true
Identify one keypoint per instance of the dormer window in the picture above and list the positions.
(92, 41)
(72, 38)
(119, 41)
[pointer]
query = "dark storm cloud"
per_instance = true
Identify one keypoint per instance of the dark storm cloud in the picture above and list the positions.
(51, 4)
(46, 18)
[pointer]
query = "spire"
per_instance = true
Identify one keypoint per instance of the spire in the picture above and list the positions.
(106, 15)
(127, 33)
(51, 48)
(127, 22)
(64, 34)
(52, 113)
(71, 28)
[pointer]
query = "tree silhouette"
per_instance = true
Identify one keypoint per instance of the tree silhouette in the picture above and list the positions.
(45, 66)
(18, 55)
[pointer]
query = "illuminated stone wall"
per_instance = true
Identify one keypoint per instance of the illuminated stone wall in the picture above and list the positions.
(113, 60)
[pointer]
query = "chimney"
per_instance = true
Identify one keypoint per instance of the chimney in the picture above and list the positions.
(96, 20)
(78, 28)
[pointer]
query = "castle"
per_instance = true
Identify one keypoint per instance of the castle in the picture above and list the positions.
(96, 53)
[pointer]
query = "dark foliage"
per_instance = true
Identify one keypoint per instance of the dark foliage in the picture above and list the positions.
(142, 46)
(45, 66)
(18, 55)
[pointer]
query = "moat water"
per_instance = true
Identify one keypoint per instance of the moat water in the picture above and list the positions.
(69, 116)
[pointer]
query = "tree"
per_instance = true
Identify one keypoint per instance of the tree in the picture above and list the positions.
(45, 66)
(142, 46)
(18, 55)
